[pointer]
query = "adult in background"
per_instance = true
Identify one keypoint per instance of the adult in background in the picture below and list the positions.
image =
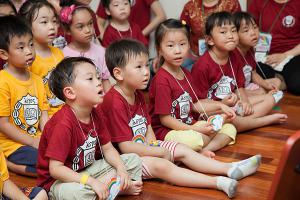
(195, 13)
(281, 19)
(140, 14)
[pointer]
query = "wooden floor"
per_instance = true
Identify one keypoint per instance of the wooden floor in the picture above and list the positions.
(267, 141)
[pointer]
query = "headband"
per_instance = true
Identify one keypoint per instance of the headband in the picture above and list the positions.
(66, 13)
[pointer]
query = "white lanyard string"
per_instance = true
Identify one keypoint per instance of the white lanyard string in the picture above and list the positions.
(193, 93)
(258, 65)
(237, 88)
(94, 129)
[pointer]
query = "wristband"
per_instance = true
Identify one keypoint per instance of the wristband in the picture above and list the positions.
(84, 178)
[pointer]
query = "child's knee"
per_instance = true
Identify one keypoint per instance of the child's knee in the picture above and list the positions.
(161, 166)
(190, 138)
(133, 164)
(131, 160)
(230, 131)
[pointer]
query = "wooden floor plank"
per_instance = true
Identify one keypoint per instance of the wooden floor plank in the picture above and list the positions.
(267, 141)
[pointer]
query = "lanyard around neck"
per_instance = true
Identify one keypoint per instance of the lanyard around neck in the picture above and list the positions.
(276, 18)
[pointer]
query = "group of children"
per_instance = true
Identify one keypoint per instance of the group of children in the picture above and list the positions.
(64, 122)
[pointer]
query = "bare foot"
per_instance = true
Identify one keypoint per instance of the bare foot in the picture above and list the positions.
(208, 153)
(134, 189)
(279, 118)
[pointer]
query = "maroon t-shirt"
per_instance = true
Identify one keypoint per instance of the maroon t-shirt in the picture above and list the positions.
(210, 81)
(286, 31)
(63, 140)
(125, 122)
(139, 14)
(111, 34)
(170, 97)
(248, 66)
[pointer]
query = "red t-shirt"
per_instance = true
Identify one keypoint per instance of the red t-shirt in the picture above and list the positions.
(209, 80)
(166, 97)
(248, 66)
(286, 30)
(111, 34)
(140, 12)
(126, 122)
(63, 140)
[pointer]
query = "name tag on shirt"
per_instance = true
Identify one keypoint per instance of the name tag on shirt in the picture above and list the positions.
(202, 46)
(263, 46)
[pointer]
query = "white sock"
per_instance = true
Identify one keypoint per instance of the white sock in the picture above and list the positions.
(227, 185)
(244, 168)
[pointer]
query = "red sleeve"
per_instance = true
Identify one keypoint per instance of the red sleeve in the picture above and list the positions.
(116, 119)
(60, 143)
(101, 11)
(162, 95)
(201, 79)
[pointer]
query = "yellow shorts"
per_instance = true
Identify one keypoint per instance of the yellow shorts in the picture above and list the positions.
(194, 140)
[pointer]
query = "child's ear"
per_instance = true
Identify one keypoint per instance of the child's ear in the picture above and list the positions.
(3, 54)
(107, 11)
(209, 40)
(69, 93)
(118, 74)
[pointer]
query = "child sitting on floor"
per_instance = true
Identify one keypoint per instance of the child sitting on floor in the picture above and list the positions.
(43, 20)
(23, 104)
(6, 8)
(76, 159)
(173, 100)
(8, 190)
(78, 22)
(129, 124)
(248, 36)
(119, 27)
(219, 77)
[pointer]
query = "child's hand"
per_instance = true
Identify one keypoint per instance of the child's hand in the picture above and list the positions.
(206, 129)
(124, 177)
(99, 188)
(208, 154)
(230, 100)
(271, 86)
(247, 108)
(229, 113)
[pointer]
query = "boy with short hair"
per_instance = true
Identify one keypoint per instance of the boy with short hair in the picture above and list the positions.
(129, 124)
(119, 26)
(75, 141)
(23, 104)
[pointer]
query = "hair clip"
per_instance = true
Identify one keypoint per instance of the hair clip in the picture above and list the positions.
(183, 22)
(66, 14)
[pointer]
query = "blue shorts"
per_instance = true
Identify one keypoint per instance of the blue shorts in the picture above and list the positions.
(25, 155)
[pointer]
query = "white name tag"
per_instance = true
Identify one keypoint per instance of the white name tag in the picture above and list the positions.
(264, 42)
(202, 46)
